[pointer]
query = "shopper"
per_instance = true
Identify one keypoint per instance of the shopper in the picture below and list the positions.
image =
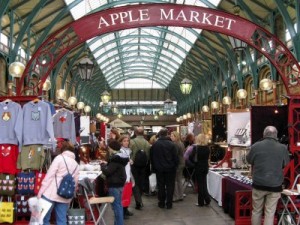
(267, 158)
(115, 174)
(164, 160)
(200, 157)
(125, 152)
(139, 173)
(189, 170)
(55, 174)
(178, 190)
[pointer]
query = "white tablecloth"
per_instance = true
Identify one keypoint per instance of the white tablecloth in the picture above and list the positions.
(214, 185)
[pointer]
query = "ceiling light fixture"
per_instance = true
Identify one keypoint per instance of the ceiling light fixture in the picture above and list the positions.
(105, 97)
(86, 69)
(186, 84)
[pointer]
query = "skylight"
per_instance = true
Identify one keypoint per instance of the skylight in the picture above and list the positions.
(154, 53)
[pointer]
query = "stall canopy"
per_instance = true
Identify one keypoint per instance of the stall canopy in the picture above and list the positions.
(119, 123)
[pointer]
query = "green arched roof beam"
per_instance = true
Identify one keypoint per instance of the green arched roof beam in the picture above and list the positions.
(54, 22)
(3, 7)
(159, 52)
(150, 37)
(74, 80)
(54, 75)
(26, 25)
(126, 45)
(141, 44)
(72, 62)
(244, 7)
(230, 54)
(147, 66)
(218, 59)
(150, 52)
(290, 26)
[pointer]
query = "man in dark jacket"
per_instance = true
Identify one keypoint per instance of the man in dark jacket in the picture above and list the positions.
(116, 177)
(268, 158)
(164, 160)
(138, 172)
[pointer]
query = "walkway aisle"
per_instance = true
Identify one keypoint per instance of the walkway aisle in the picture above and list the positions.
(182, 213)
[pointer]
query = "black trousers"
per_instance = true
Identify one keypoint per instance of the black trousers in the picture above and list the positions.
(203, 196)
(139, 177)
(165, 184)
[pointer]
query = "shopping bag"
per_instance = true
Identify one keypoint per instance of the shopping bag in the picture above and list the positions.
(152, 182)
(76, 216)
(44, 207)
(35, 210)
(7, 184)
(25, 183)
(39, 176)
(6, 212)
(126, 194)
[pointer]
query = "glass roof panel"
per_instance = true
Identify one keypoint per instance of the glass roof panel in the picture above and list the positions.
(148, 52)
(138, 83)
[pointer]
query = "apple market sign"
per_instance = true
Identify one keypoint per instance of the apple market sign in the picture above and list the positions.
(63, 41)
(162, 15)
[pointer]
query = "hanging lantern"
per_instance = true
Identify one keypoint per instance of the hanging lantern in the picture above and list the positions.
(186, 86)
(86, 69)
(160, 112)
(105, 97)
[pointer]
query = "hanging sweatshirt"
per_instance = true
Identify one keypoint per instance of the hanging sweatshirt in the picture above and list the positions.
(8, 157)
(11, 123)
(64, 125)
(38, 123)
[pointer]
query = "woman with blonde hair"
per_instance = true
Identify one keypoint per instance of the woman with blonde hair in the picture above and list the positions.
(178, 190)
(200, 156)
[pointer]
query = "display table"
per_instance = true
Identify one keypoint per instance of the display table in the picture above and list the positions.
(229, 188)
(214, 186)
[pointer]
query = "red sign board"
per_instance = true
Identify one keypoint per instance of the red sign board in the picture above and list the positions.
(162, 15)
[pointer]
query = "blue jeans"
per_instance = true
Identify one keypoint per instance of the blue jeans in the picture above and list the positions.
(60, 210)
(117, 204)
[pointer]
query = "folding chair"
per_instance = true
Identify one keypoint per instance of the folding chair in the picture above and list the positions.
(100, 203)
(188, 181)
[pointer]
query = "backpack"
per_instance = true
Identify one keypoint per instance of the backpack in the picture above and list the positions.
(140, 159)
(66, 188)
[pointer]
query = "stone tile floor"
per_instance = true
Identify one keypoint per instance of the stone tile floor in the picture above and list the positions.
(183, 213)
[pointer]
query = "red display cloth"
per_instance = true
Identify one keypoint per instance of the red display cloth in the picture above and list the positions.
(229, 187)
(126, 195)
